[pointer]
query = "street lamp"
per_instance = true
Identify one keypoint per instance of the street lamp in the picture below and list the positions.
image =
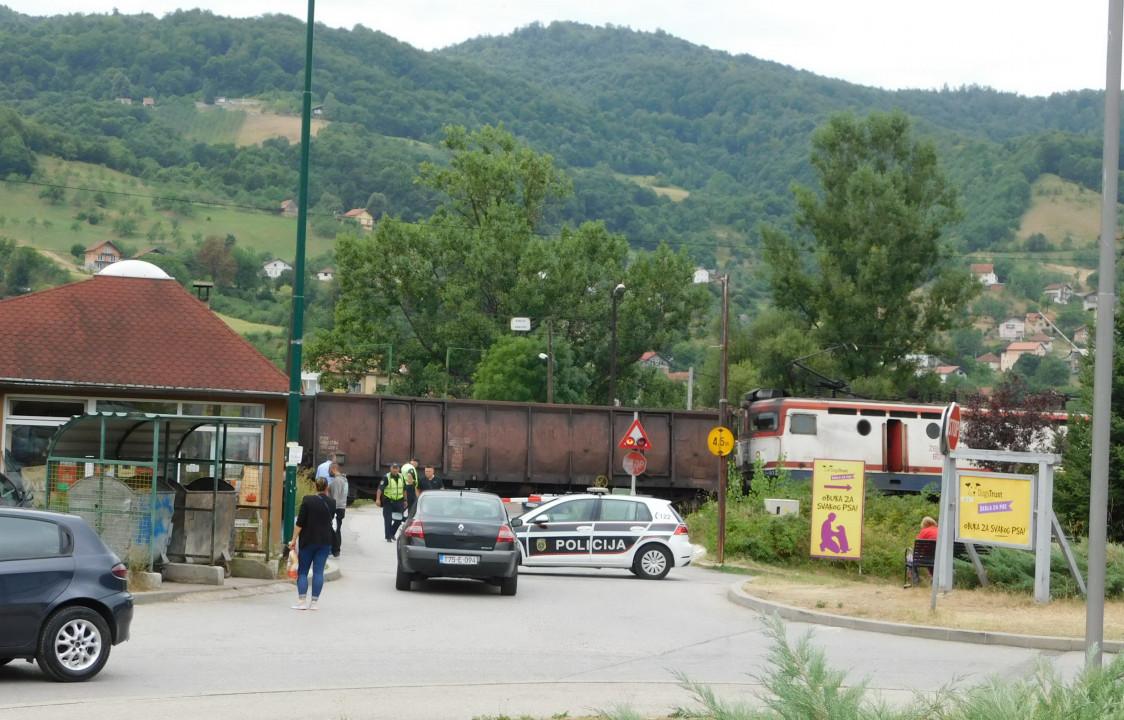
(723, 411)
(616, 294)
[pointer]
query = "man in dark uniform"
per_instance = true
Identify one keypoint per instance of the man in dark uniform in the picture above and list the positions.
(391, 497)
(430, 481)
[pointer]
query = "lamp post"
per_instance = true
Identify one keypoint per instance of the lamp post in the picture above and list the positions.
(296, 334)
(448, 352)
(617, 292)
(549, 357)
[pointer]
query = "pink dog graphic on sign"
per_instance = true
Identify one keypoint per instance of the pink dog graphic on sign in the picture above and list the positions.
(833, 540)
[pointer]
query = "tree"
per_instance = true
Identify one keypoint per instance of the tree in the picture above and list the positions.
(78, 250)
(217, 261)
(878, 278)
(455, 278)
(511, 369)
(1012, 417)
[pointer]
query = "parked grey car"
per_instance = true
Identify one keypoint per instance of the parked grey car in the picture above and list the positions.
(13, 492)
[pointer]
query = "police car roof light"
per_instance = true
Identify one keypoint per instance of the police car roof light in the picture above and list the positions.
(597, 490)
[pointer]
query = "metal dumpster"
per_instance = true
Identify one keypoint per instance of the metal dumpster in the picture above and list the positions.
(203, 522)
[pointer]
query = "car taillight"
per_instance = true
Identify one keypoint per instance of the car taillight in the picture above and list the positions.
(415, 530)
(681, 530)
(120, 571)
(505, 535)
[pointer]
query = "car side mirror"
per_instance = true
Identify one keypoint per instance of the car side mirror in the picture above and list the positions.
(541, 520)
(516, 522)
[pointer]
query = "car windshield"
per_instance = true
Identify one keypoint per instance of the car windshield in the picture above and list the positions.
(461, 507)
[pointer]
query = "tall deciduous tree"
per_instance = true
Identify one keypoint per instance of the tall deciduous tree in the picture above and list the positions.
(867, 267)
(455, 279)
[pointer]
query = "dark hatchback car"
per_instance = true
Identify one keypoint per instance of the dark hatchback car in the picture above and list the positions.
(458, 534)
(63, 596)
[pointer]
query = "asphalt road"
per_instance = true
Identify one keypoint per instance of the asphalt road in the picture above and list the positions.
(570, 641)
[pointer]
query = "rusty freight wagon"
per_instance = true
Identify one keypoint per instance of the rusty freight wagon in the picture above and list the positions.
(509, 448)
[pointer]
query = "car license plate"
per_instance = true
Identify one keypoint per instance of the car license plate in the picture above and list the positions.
(458, 559)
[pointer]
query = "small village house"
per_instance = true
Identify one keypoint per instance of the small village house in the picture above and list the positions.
(1046, 341)
(1081, 336)
(274, 268)
(1089, 302)
(362, 217)
(148, 102)
(1016, 350)
(1059, 293)
(325, 275)
(1012, 329)
(1039, 323)
(985, 273)
(101, 255)
(944, 372)
(289, 208)
(991, 360)
(653, 359)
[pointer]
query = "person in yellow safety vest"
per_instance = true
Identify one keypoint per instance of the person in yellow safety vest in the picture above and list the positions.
(391, 497)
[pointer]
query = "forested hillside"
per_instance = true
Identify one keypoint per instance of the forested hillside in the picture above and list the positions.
(622, 110)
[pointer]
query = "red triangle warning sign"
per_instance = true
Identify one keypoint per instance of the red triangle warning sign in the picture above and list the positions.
(635, 438)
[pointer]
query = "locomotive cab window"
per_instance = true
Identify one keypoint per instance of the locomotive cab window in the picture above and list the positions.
(763, 422)
(802, 424)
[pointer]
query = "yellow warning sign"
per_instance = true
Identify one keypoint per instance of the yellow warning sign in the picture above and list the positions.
(720, 441)
(838, 494)
(995, 509)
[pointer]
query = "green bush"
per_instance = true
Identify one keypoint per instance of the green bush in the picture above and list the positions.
(800, 684)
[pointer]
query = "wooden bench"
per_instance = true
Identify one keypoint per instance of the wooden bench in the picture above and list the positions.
(923, 554)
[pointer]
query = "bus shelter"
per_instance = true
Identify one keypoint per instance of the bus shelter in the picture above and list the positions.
(166, 487)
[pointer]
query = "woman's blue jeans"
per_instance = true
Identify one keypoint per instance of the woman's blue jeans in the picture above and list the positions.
(313, 556)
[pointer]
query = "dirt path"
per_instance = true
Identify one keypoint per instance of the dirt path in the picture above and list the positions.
(966, 609)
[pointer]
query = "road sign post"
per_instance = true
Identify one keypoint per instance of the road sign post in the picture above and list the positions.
(633, 440)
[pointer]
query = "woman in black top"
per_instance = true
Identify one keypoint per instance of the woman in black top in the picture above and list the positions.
(314, 531)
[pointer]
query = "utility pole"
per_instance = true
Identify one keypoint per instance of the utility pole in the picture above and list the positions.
(617, 291)
(549, 362)
(296, 332)
(723, 418)
(1102, 370)
(691, 387)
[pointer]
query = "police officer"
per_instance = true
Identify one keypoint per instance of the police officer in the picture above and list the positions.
(410, 475)
(391, 497)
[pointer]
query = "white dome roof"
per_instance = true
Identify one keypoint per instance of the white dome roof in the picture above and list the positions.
(135, 269)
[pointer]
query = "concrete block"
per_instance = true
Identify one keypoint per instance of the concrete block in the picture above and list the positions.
(144, 581)
(194, 574)
(253, 568)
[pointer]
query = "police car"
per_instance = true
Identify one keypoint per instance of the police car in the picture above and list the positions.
(643, 534)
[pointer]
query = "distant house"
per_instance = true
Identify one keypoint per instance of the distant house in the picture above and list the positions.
(325, 275)
(1046, 341)
(149, 102)
(289, 208)
(220, 100)
(1074, 359)
(702, 275)
(1037, 322)
(154, 250)
(985, 273)
(1016, 350)
(1059, 293)
(944, 372)
(653, 359)
(274, 268)
(318, 111)
(102, 255)
(361, 216)
(1081, 336)
(991, 360)
(997, 288)
(125, 100)
(1089, 302)
(1012, 329)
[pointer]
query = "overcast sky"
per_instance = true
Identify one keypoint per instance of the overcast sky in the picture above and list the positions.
(1033, 47)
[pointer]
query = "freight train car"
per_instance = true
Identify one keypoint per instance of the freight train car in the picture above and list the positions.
(509, 448)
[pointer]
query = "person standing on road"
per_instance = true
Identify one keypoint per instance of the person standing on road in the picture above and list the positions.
(410, 475)
(391, 497)
(430, 481)
(337, 489)
(313, 541)
(322, 470)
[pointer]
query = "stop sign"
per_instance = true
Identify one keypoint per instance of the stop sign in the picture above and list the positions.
(635, 463)
(950, 428)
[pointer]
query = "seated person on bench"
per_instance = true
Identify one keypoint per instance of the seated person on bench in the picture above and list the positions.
(928, 532)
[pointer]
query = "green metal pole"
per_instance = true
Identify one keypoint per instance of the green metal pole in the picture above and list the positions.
(296, 335)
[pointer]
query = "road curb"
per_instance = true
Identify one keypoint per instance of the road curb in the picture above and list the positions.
(172, 594)
(737, 595)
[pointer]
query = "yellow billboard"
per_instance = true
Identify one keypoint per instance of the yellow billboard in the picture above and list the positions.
(995, 509)
(838, 494)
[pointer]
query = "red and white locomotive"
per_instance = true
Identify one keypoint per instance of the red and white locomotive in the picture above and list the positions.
(898, 441)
